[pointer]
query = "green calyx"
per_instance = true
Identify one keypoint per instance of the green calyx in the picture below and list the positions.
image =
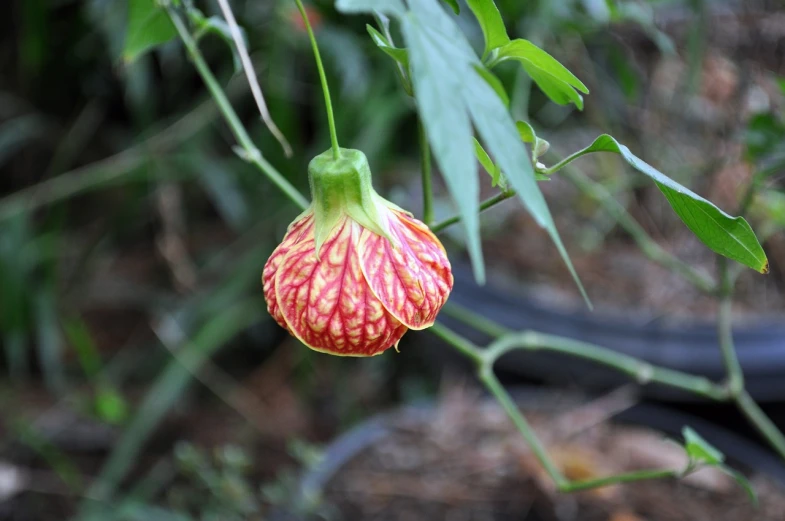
(342, 187)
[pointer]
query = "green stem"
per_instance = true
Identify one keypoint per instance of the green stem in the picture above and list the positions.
(475, 320)
(758, 418)
(493, 201)
(323, 78)
(497, 390)
(642, 372)
(458, 342)
(250, 152)
(725, 330)
(648, 246)
(638, 475)
(427, 182)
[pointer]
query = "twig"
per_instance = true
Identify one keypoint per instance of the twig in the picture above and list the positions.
(256, 90)
(249, 151)
(488, 203)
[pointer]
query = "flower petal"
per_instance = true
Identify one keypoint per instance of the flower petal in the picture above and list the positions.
(412, 279)
(297, 230)
(326, 302)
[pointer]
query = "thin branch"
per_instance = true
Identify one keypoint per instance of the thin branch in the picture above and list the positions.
(642, 372)
(458, 342)
(249, 151)
(760, 421)
(497, 390)
(488, 203)
(245, 59)
(638, 475)
(725, 330)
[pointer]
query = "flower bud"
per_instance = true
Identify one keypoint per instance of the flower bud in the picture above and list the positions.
(354, 272)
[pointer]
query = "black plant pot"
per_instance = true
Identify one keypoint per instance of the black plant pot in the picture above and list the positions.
(690, 348)
(740, 451)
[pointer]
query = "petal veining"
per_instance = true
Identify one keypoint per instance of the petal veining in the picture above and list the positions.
(297, 230)
(413, 280)
(326, 301)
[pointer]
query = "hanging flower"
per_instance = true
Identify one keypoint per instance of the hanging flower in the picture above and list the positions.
(354, 272)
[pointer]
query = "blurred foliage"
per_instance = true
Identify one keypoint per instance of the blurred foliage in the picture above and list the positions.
(132, 238)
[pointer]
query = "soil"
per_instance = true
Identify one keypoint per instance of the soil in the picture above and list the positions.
(465, 461)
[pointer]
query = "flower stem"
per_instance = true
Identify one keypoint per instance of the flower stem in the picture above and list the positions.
(249, 151)
(323, 78)
(427, 182)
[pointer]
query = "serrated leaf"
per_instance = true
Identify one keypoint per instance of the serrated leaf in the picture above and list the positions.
(148, 27)
(553, 78)
(491, 23)
(454, 5)
(450, 96)
(399, 55)
(699, 449)
(729, 236)
(495, 84)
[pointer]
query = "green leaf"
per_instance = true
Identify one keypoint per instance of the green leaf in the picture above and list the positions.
(729, 236)
(495, 84)
(397, 54)
(539, 146)
(485, 160)
(454, 5)
(148, 27)
(452, 99)
(699, 449)
(491, 24)
(110, 406)
(497, 177)
(553, 78)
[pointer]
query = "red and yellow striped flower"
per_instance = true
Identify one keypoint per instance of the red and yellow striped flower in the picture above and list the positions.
(354, 272)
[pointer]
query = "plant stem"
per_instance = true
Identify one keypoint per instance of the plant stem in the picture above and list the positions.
(256, 90)
(475, 320)
(427, 182)
(648, 246)
(492, 201)
(497, 390)
(642, 372)
(323, 78)
(758, 418)
(250, 152)
(725, 330)
(638, 475)
(458, 342)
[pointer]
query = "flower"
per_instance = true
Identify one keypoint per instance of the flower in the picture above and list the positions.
(354, 272)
